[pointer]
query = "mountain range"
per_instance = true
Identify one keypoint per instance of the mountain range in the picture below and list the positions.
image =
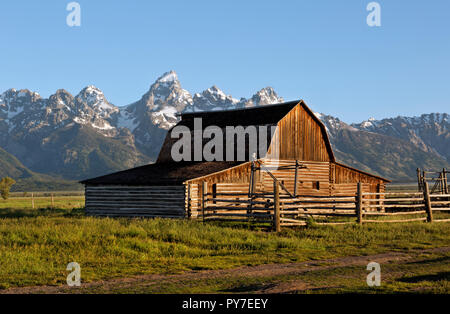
(66, 137)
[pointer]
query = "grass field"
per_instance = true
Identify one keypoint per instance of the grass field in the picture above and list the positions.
(61, 200)
(36, 246)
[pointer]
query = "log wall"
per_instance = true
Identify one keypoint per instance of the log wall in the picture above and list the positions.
(136, 201)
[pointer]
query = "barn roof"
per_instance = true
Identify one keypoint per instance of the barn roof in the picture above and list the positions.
(165, 172)
(256, 116)
(171, 173)
(261, 115)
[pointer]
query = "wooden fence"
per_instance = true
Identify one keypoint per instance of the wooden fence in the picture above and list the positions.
(438, 180)
(283, 210)
(44, 199)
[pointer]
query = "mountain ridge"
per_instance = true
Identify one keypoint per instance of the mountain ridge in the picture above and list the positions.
(85, 135)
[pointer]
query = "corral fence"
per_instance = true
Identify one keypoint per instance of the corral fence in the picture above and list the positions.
(438, 180)
(284, 210)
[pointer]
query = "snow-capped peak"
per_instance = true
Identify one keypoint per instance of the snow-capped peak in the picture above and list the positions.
(168, 77)
(216, 94)
(212, 99)
(94, 98)
(265, 96)
(92, 91)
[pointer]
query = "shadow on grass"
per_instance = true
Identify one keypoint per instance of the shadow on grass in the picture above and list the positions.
(434, 277)
(430, 261)
(248, 288)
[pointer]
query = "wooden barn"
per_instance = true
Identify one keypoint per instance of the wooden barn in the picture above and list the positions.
(298, 155)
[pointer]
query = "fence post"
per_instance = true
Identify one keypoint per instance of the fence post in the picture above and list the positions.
(426, 198)
(419, 180)
(276, 207)
(32, 200)
(296, 178)
(204, 189)
(444, 174)
(359, 208)
(53, 201)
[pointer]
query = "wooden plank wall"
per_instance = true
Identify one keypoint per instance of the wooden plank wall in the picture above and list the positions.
(238, 174)
(318, 179)
(342, 174)
(307, 179)
(193, 200)
(136, 201)
(345, 189)
(299, 136)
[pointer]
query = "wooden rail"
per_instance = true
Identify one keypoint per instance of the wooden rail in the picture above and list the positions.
(284, 211)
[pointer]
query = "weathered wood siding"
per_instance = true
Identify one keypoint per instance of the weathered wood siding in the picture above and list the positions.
(142, 201)
(193, 200)
(237, 174)
(342, 174)
(313, 180)
(317, 179)
(300, 136)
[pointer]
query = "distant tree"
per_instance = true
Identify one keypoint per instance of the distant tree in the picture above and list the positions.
(5, 186)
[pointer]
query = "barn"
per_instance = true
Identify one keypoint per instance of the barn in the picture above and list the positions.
(293, 149)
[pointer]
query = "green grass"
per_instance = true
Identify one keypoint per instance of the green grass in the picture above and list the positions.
(425, 276)
(21, 203)
(37, 245)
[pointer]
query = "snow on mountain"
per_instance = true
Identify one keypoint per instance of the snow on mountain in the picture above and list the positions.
(95, 99)
(34, 129)
(26, 114)
(333, 125)
(159, 105)
(212, 99)
(429, 132)
(265, 96)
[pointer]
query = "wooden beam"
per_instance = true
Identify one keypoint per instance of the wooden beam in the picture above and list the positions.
(359, 209)
(419, 180)
(276, 180)
(444, 174)
(204, 190)
(276, 210)
(296, 177)
(426, 197)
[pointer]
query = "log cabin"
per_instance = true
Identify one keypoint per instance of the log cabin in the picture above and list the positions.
(298, 155)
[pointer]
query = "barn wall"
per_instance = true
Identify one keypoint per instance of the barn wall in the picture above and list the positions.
(142, 201)
(313, 180)
(317, 179)
(237, 174)
(299, 136)
(341, 174)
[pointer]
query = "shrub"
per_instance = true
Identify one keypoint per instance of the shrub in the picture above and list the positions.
(5, 186)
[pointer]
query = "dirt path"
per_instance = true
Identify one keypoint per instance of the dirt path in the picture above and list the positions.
(261, 271)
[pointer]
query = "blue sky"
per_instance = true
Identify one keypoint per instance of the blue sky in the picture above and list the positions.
(321, 51)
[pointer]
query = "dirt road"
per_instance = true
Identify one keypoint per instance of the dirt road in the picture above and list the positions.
(267, 277)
